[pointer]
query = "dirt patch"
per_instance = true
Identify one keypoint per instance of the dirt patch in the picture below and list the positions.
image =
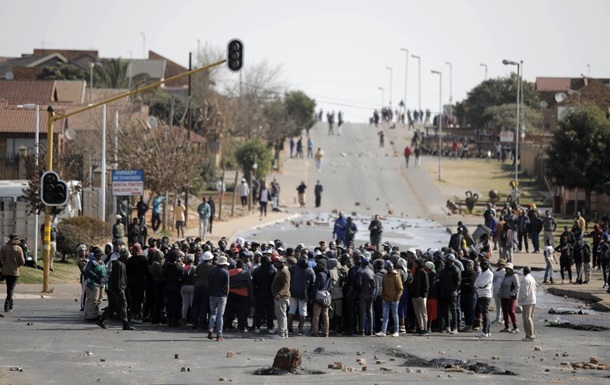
(441, 363)
(569, 325)
(273, 371)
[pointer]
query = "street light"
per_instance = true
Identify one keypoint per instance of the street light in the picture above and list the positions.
(382, 96)
(31, 106)
(419, 78)
(91, 66)
(406, 51)
(484, 65)
(391, 72)
(440, 118)
(514, 63)
(450, 82)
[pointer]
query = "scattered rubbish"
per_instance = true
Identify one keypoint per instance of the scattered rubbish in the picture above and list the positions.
(474, 366)
(176, 356)
(566, 312)
(272, 371)
(229, 354)
(87, 353)
(569, 325)
(16, 369)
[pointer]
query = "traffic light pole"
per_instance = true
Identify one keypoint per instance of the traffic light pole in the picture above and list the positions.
(51, 121)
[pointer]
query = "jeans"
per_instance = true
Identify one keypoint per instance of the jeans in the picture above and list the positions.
(579, 268)
(217, 311)
(203, 227)
(535, 240)
(468, 303)
(508, 308)
(365, 306)
(187, 292)
(523, 241)
(450, 311)
(548, 272)
(387, 306)
(263, 208)
(156, 221)
(483, 305)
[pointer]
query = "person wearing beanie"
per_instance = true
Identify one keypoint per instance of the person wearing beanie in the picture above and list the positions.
(366, 287)
(391, 291)
(527, 300)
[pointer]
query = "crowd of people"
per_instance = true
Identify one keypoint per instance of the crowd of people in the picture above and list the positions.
(339, 289)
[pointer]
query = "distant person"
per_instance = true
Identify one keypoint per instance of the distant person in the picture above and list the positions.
(407, 154)
(417, 153)
(205, 213)
(292, 145)
(319, 157)
(339, 122)
(179, 215)
(142, 208)
(212, 213)
(263, 199)
(302, 196)
(118, 229)
(156, 213)
(318, 193)
(300, 148)
(243, 190)
(381, 138)
(309, 147)
(11, 260)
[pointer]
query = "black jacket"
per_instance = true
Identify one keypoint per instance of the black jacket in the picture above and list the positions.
(421, 284)
(118, 277)
(449, 280)
(137, 270)
(262, 277)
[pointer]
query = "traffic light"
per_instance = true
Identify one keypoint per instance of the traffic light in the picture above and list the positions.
(235, 55)
(53, 191)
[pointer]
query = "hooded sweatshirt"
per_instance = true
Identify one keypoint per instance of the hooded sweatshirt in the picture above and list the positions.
(302, 279)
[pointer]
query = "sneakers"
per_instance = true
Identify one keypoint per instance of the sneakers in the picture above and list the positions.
(210, 334)
(505, 330)
(395, 334)
(127, 326)
(300, 332)
(515, 331)
(483, 335)
(527, 339)
(454, 331)
(382, 334)
(100, 323)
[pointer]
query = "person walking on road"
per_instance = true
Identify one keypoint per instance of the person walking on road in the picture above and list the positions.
(407, 154)
(263, 199)
(309, 147)
(11, 260)
(117, 286)
(319, 156)
(527, 300)
(302, 196)
(318, 193)
(156, 213)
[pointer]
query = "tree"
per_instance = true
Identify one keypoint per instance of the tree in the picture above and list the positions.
(505, 116)
(62, 71)
(113, 73)
(493, 92)
(253, 149)
(300, 109)
(579, 150)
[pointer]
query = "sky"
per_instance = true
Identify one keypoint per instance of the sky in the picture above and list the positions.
(337, 51)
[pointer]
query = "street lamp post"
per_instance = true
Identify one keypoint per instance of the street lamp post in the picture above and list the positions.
(517, 128)
(382, 96)
(450, 82)
(391, 73)
(440, 118)
(36, 154)
(418, 79)
(91, 66)
(484, 65)
(406, 51)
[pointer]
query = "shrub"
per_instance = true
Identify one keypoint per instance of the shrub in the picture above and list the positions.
(72, 232)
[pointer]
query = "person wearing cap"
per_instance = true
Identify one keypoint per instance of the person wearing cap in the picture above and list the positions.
(117, 285)
(218, 285)
(449, 281)
(201, 296)
(391, 291)
(366, 287)
(137, 271)
(118, 229)
(280, 289)
(509, 289)
(484, 287)
(243, 190)
(527, 300)
(11, 260)
(96, 276)
(499, 275)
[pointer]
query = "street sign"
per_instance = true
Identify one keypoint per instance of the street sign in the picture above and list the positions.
(127, 182)
(507, 136)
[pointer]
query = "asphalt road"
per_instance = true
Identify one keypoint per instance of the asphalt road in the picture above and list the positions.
(52, 344)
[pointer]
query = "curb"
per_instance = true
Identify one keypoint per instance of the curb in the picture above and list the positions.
(599, 304)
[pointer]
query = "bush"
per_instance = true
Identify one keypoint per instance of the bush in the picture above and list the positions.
(72, 232)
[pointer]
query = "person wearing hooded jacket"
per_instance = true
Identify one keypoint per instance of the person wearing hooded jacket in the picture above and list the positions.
(509, 289)
(302, 279)
(323, 281)
(262, 277)
(449, 281)
(11, 259)
(391, 291)
(421, 288)
(366, 286)
(484, 287)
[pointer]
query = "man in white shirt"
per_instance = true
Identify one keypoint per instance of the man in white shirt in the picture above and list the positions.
(527, 300)
(243, 190)
(484, 286)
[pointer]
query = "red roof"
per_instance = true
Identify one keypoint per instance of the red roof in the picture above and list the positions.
(553, 84)
(24, 92)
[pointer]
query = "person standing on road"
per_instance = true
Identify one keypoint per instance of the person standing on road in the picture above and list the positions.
(96, 277)
(350, 232)
(11, 260)
(280, 289)
(156, 213)
(391, 291)
(527, 300)
(137, 272)
(603, 259)
(275, 195)
(292, 144)
(550, 261)
(204, 212)
(376, 229)
(118, 229)
(300, 148)
(201, 295)
(309, 147)
(484, 287)
(417, 152)
(407, 154)
(419, 296)
(340, 228)
(549, 225)
(302, 279)
(509, 289)
(142, 208)
(565, 258)
(302, 196)
(523, 229)
(339, 122)
(449, 281)
(499, 275)
(218, 286)
(366, 286)
(318, 193)
(117, 286)
(263, 199)
(536, 224)
(212, 213)
(262, 277)
(323, 282)
(319, 156)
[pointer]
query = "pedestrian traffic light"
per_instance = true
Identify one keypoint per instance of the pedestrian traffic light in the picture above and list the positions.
(235, 55)
(53, 191)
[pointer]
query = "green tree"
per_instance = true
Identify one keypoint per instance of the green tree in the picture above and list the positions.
(493, 92)
(579, 149)
(247, 152)
(113, 73)
(300, 109)
(62, 71)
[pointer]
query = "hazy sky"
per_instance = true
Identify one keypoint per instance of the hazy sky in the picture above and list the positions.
(336, 51)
